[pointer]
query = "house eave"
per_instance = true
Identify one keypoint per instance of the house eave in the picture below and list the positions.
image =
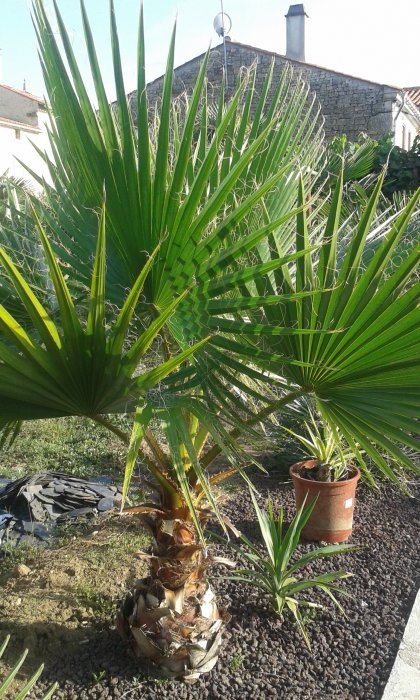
(22, 126)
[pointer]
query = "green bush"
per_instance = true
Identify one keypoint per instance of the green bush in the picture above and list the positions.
(368, 157)
(403, 173)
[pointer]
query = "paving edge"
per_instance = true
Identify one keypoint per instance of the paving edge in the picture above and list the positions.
(404, 680)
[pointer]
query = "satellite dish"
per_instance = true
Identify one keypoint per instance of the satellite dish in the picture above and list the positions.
(222, 24)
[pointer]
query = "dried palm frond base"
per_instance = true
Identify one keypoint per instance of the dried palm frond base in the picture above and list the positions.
(180, 631)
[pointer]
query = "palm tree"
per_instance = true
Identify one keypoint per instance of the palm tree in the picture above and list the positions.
(178, 217)
(97, 365)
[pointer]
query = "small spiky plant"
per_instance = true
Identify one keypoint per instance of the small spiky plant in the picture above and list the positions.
(30, 683)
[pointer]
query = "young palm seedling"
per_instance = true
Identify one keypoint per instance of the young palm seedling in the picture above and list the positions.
(276, 572)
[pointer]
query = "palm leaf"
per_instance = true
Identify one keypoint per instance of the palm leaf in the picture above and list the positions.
(66, 368)
(30, 684)
(158, 191)
(363, 365)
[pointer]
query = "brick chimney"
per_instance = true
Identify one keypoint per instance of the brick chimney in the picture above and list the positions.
(295, 32)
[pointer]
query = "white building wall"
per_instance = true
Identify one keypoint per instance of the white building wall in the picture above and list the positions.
(405, 127)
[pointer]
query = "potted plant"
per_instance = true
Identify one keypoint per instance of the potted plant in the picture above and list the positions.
(330, 476)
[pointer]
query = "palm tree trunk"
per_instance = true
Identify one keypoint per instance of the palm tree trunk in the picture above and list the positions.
(171, 617)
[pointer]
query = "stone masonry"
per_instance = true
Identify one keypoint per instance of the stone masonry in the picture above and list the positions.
(349, 105)
(20, 106)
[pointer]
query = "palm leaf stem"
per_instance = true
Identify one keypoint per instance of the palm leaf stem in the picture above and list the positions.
(157, 471)
(158, 453)
(101, 420)
(125, 437)
(211, 455)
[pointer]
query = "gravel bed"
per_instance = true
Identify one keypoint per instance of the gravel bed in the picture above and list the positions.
(264, 657)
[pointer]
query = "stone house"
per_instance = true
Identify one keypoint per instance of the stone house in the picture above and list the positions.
(350, 105)
(23, 122)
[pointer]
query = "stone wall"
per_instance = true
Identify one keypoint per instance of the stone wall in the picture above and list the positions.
(349, 105)
(18, 106)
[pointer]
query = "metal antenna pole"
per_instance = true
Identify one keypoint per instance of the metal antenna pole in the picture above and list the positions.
(224, 45)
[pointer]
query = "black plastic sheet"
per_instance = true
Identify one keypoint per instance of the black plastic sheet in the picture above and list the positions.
(31, 507)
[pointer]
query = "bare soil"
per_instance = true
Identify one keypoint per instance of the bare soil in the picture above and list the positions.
(54, 598)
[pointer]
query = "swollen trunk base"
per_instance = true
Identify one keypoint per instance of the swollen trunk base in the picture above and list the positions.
(179, 631)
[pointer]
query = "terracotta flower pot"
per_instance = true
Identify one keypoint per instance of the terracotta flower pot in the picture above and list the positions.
(332, 518)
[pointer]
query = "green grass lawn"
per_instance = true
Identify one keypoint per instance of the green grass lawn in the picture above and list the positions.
(72, 445)
(82, 448)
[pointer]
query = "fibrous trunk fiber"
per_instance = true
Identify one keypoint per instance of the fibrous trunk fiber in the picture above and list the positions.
(171, 617)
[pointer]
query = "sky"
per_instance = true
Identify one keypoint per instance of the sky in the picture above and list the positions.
(373, 39)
